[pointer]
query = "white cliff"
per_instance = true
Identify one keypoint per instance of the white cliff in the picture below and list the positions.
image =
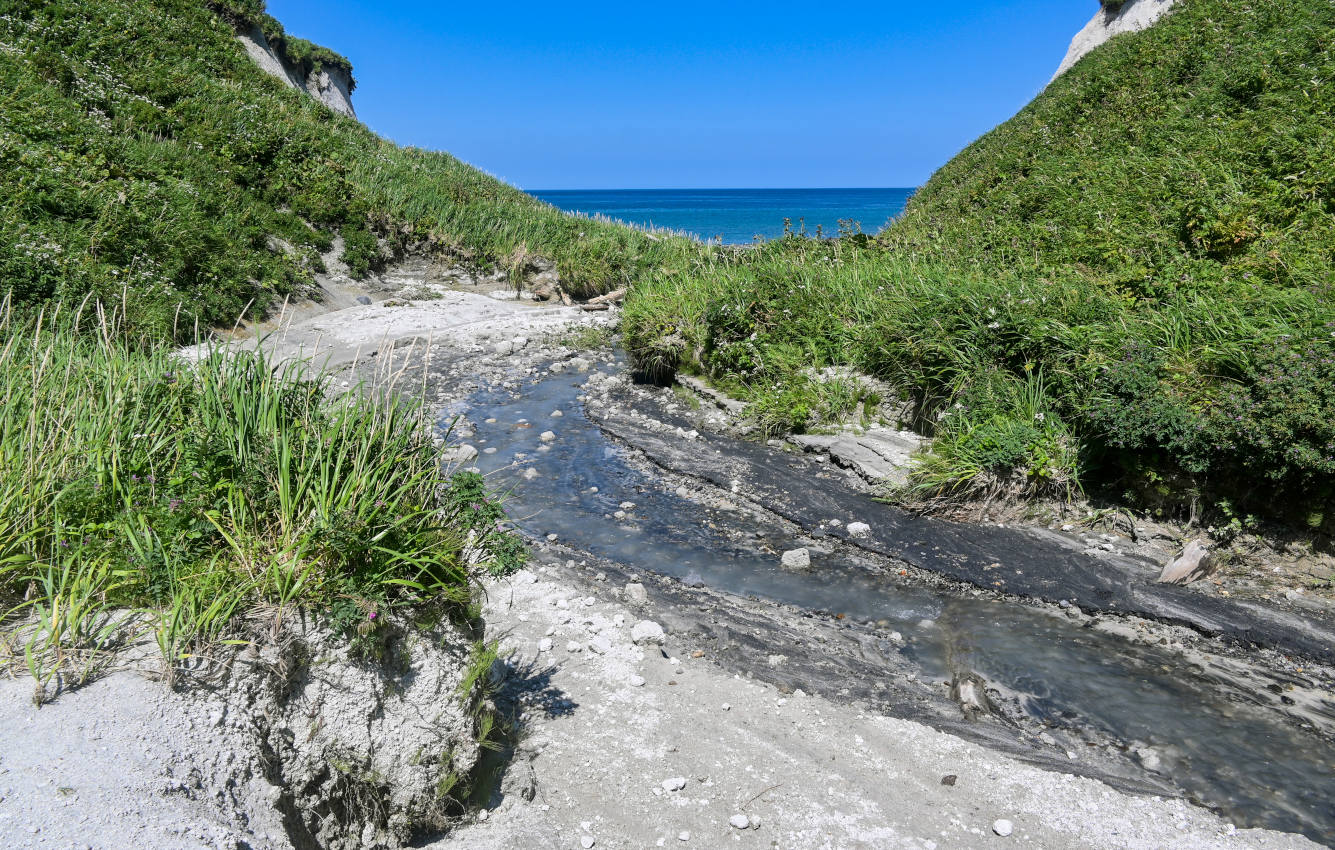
(1112, 19)
(330, 86)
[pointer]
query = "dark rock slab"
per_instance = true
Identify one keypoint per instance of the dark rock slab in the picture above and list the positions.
(1028, 563)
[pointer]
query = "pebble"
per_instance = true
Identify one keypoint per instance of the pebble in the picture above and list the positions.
(647, 632)
(545, 645)
(683, 836)
(1002, 827)
(675, 783)
(574, 646)
(530, 474)
(635, 593)
(858, 529)
(627, 506)
(489, 450)
(683, 493)
(586, 842)
(726, 707)
(796, 559)
(739, 822)
(547, 436)
(637, 681)
(556, 414)
(551, 538)
(600, 646)
(619, 515)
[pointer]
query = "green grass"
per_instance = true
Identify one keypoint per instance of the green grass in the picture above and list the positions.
(141, 493)
(106, 146)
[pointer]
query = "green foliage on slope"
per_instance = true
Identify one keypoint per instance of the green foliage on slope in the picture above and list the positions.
(1128, 281)
(143, 155)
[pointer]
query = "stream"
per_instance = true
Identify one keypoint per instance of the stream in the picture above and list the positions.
(1187, 722)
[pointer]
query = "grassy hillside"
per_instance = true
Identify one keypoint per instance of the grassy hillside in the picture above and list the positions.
(141, 152)
(1128, 284)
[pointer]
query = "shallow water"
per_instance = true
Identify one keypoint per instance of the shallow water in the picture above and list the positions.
(1211, 737)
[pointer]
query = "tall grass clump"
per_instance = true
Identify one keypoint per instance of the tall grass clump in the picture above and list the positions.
(139, 488)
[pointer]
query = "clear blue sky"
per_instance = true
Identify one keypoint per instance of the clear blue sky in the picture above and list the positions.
(689, 94)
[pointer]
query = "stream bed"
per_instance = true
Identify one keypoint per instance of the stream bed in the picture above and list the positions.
(1208, 735)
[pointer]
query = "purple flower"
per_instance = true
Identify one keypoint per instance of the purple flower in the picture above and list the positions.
(370, 616)
(174, 504)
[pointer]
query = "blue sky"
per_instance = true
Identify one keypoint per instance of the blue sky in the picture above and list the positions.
(692, 94)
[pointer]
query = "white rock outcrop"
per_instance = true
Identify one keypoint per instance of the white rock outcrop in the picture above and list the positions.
(332, 87)
(1112, 19)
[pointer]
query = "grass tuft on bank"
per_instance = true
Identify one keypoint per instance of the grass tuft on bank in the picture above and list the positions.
(143, 494)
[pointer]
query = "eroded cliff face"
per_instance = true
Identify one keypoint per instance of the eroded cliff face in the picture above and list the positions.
(1112, 19)
(330, 86)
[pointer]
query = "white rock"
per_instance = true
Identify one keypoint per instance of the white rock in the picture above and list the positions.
(636, 594)
(556, 414)
(858, 529)
(519, 342)
(676, 783)
(545, 645)
(547, 436)
(637, 681)
(796, 559)
(1002, 827)
(504, 348)
(586, 842)
(739, 822)
(647, 632)
(600, 645)
(683, 836)
(530, 474)
(619, 515)
(574, 646)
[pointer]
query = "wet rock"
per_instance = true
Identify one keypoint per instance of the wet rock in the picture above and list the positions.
(796, 559)
(363, 300)
(970, 691)
(647, 632)
(459, 454)
(1195, 562)
(547, 436)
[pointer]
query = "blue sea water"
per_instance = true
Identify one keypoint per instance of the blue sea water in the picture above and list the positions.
(737, 216)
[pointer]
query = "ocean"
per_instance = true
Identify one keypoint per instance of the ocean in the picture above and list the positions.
(737, 216)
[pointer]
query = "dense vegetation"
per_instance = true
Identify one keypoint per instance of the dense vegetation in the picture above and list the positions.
(1129, 283)
(141, 151)
(141, 492)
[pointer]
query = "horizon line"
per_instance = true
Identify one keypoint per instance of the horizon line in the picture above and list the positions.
(723, 188)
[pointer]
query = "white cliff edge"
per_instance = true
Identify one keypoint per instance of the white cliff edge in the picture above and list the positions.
(332, 87)
(1130, 16)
